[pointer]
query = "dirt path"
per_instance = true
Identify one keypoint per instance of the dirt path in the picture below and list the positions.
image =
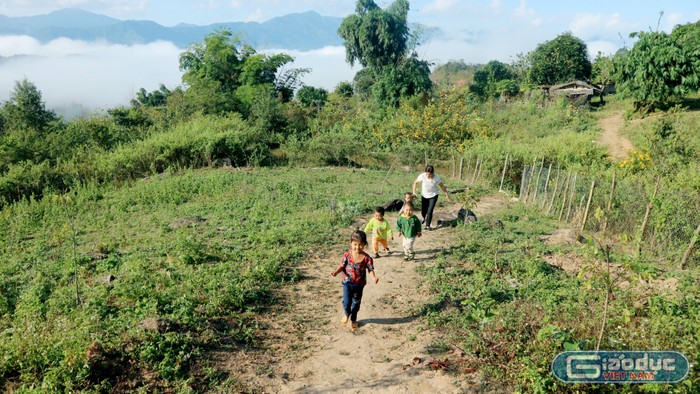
(392, 351)
(618, 146)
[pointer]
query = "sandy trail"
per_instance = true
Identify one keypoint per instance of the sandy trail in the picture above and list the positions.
(618, 146)
(393, 349)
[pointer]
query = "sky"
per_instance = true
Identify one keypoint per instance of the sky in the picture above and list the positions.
(100, 75)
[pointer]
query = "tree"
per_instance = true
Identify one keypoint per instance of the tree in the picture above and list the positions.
(310, 96)
(379, 41)
(560, 60)
(657, 68)
(344, 89)
(25, 109)
(454, 72)
(487, 78)
(157, 98)
(219, 68)
(212, 70)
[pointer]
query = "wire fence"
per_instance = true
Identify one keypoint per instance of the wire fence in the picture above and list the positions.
(654, 221)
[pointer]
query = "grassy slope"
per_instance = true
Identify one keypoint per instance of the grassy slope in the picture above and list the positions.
(259, 222)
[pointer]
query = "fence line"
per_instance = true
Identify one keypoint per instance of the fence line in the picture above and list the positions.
(600, 203)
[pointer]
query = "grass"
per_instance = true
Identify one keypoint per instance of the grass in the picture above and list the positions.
(512, 314)
(205, 251)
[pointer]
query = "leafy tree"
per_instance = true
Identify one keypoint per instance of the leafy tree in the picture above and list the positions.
(375, 38)
(454, 72)
(212, 70)
(157, 98)
(560, 60)
(25, 109)
(602, 71)
(216, 69)
(688, 35)
(521, 66)
(344, 89)
(487, 78)
(656, 69)
(310, 96)
(379, 41)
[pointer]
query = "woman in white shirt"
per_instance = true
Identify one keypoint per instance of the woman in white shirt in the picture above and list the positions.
(429, 193)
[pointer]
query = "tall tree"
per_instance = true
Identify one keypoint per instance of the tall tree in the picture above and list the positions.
(658, 68)
(378, 40)
(560, 60)
(224, 75)
(487, 78)
(25, 109)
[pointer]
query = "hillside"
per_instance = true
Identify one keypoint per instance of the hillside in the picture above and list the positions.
(163, 248)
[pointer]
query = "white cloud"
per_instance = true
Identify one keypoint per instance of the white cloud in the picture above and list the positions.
(528, 15)
(607, 48)
(586, 26)
(328, 66)
(95, 75)
(441, 6)
(101, 76)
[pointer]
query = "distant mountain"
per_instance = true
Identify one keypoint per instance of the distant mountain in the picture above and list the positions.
(301, 31)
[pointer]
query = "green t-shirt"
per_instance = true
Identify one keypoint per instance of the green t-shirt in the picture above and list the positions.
(408, 227)
(381, 230)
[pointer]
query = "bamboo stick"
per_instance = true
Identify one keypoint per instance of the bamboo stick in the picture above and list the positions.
(503, 174)
(571, 198)
(588, 206)
(529, 179)
(537, 184)
(554, 193)
(684, 260)
(565, 194)
(646, 216)
(546, 186)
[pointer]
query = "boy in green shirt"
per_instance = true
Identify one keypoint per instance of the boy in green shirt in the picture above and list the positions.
(409, 227)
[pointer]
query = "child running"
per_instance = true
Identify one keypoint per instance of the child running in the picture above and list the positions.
(407, 199)
(408, 225)
(354, 266)
(380, 230)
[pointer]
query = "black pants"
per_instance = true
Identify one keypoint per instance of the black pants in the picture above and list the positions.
(426, 209)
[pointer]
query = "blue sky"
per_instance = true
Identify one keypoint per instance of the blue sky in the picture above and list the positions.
(475, 31)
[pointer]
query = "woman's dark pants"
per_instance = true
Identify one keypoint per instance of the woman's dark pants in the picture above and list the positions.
(426, 209)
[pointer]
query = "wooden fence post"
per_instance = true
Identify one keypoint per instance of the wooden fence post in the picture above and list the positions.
(684, 260)
(554, 193)
(588, 206)
(461, 163)
(469, 167)
(571, 197)
(565, 194)
(454, 166)
(529, 179)
(646, 217)
(481, 167)
(546, 186)
(537, 184)
(503, 174)
(522, 184)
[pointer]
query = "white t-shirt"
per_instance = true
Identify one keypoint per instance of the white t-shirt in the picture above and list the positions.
(429, 187)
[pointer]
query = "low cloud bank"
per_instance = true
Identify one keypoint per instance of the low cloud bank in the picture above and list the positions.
(77, 76)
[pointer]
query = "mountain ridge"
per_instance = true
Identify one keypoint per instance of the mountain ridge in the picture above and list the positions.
(298, 31)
